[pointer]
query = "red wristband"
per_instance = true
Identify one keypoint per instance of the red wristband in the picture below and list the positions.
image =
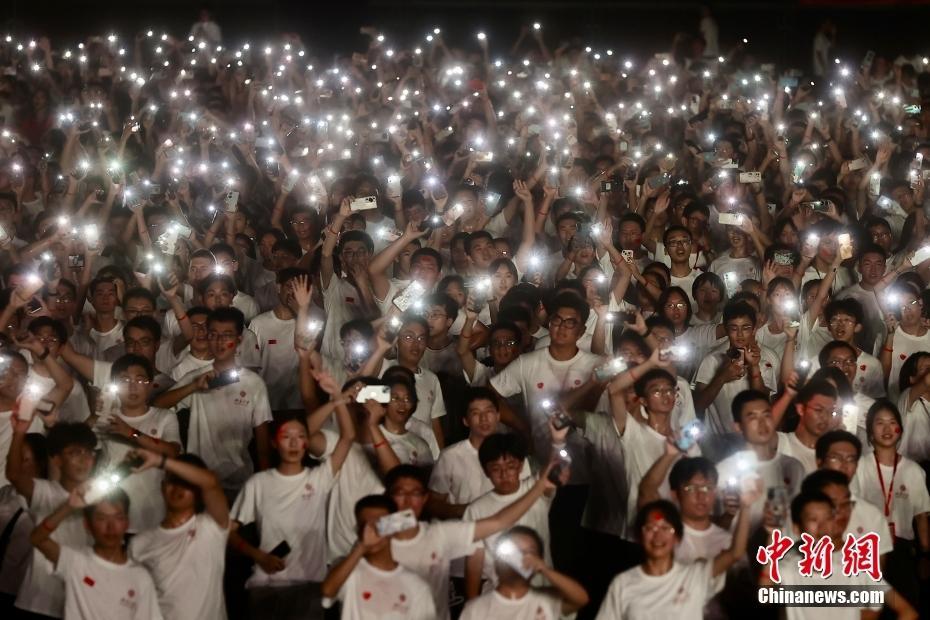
(48, 527)
(380, 443)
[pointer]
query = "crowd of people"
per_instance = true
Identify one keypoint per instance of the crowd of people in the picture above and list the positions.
(429, 332)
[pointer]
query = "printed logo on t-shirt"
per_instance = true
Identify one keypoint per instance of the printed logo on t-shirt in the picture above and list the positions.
(273, 341)
(129, 601)
(242, 401)
(680, 597)
(89, 581)
(308, 491)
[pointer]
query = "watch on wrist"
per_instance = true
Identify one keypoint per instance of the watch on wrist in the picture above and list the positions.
(135, 434)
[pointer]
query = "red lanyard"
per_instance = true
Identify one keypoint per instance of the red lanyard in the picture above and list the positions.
(888, 497)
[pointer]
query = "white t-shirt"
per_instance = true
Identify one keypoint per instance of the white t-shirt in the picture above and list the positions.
(411, 448)
(606, 507)
(222, 424)
(356, 479)
(430, 552)
(247, 354)
(292, 509)
(146, 506)
(842, 280)
(279, 360)
(781, 471)
(74, 408)
(459, 476)
(702, 544)
(97, 588)
(791, 576)
(186, 564)
(681, 593)
(910, 491)
(430, 404)
(746, 268)
(719, 415)
(915, 437)
(93, 343)
(187, 363)
(904, 346)
(103, 375)
(865, 518)
(42, 592)
(534, 605)
(538, 376)
(537, 518)
(790, 445)
(340, 302)
(374, 594)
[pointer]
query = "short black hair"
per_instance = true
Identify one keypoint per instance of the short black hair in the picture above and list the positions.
(289, 273)
(742, 399)
(800, 502)
(97, 282)
(500, 445)
(832, 346)
(815, 388)
(374, 501)
(664, 507)
(652, 375)
(39, 446)
(170, 478)
(145, 323)
(116, 495)
(398, 375)
(849, 306)
(820, 478)
(66, 434)
(826, 441)
(478, 234)
(405, 471)
(689, 467)
(448, 304)
(227, 281)
(882, 404)
(523, 530)
(61, 332)
(430, 252)
(738, 309)
(223, 248)
(574, 302)
(480, 393)
(123, 363)
(361, 326)
(228, 315)
(140, 293)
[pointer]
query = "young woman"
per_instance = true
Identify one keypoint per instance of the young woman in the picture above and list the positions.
(782, 303)
(907, 332)
(288, 504)
(660, 587)
(410, 446)
(709, 294)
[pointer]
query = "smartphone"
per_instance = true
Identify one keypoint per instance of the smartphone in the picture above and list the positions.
(658, 181)
(432, 221)
(690, 434)
(553, 177)
(778, 503)
(394, 187)
(76, 261)
(564, 461)
(858, 164)
(414, 291)
(867, 60)
(232, 199)
(730, 219)
(750, 177)
(33, 306)
(817, 206)
(154, 189)
(920, 255)
(491, 200)
(377, 393)
(606, 372)
(227, 377)
(846, 248)
(912, 109)
(391, 524)
(364, 203)
(788, 82)
(281, 550)
(609, 186)
(783, 257)
(737, 355)
(484, 157)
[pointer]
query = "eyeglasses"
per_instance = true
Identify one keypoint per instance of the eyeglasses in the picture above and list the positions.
(435, 316)
(405, 400)
(503, 343)
(72, 453)
(917, 303)
(354, 253)
(142, 342)
(842, 321)
(410, 338)
(846, 506)
(880, 235)
(410, 494)
(63, 300)
(676, 306)
(655, 528)
(847, 363)
(48, 339)
(130, 381)
(839, 459)
(663, 392)
(699, 488)
(199, 327)
(558, 321)
(674, 243)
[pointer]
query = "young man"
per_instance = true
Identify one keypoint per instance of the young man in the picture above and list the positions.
(369, 583)
(99, 581)
(429, 548)
(503, 458)
(871, 265)
(185, 554)
(136, 302)
(458, 479)
(71, 453)
(275, 333)
(906, 333)
(105, 329)
(425, 268)
(227, 263)
(845, 322)
(740, 364)
(224, 419)
(816, 407)
(133, 423)
(141, 336)
(441, 355)
(843, 355)
(827, 251)
(518, 557)
(677, 241)
(752, 415)
(817, 514)
(197, 354)
(561, 370)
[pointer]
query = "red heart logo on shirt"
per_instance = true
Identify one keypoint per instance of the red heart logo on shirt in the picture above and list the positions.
(539, 385)
(366, 595)
(273, 341)
(89, 581)
(862, 367)
(577, 381)
(903, 356)
(402, 597)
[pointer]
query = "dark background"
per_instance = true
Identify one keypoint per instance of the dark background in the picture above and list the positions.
(778, 31)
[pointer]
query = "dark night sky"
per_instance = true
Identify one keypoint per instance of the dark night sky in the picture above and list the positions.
(780, 31)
